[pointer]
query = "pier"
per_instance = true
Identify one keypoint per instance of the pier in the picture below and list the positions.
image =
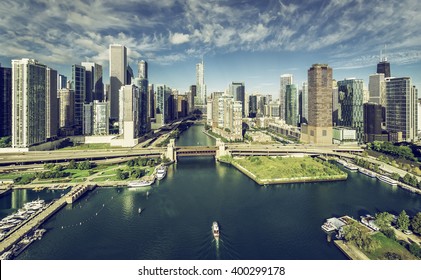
(34, 222)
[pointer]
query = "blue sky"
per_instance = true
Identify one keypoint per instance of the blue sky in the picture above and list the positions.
(240, 40)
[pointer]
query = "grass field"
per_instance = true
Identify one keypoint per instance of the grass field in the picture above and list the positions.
(89, 147)
(388, 245)
(272, 168)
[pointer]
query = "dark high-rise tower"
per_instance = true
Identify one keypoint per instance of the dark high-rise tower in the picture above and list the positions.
(5, 101)
(383, 66)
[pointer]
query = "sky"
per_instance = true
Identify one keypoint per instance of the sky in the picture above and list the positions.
(240, 40)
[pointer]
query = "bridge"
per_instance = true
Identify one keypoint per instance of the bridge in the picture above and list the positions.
(174, 152)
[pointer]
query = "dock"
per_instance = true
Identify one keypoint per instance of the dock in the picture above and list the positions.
(34, 222)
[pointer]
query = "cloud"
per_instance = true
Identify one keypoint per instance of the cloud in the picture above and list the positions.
(179, 38)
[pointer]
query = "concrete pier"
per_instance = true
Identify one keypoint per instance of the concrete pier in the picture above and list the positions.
(35, 221)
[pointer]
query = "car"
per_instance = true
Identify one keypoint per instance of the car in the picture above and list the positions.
(408, 232)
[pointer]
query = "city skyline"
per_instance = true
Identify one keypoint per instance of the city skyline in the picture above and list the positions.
(253, 42)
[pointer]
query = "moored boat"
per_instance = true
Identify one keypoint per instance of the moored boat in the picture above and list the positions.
(140, 183)
(387, 180)
(161, 172)
(367, 172)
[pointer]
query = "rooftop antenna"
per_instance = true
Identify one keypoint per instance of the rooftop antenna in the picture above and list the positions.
(385, 57)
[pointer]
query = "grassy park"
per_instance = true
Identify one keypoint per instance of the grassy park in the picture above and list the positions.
(274, 170)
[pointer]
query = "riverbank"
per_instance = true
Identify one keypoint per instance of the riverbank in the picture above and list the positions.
(282, 170)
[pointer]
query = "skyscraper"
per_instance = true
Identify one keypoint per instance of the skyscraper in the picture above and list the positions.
(377, 89)
(373, 123)
(291, 114)
(61, 81)
(94, 84)
(286, 79)
(351, 113)
(238, 91)
(319, 128)
(51, 104)
(5, 101)
(383, 66)
(79, 88)
(129, 114)
(252, 106)
(100, 118)
(28, 103)
(118, 76)
(142, 70)
(304, 117)
(67, 107)
(401, 107)
(192, 97)
(200, 98)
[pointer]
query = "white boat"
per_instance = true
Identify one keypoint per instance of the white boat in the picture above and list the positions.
(7, 226)
(387, 180)
(139, 210)
(161, 172)
(367, 172)
(215, 229)
(39, 233)
(140, 183)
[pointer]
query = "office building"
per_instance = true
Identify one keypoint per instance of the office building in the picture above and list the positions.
(163, 104)
(252, 106)
(377, 89)
(144, 119)
(142, 70)
(118, 76)
(67, 107)
(51, 104)
(238, 91)
(200, 97)
(304, 116)
(28, 103)
(351, 113)
(100, 118)
(401, 107)
(61, 81)
(383, 66)
(291, 113)
(373, 119)
(319, 128)
(88, 119)
(5, 101)
(286, 79)
(93, 82)
(79, 87)
(129, 126)
(191, 97)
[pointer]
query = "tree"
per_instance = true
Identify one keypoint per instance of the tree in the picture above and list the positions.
(121, 175)
(84, 165)
(415, 249)
(403, 221)
(383, 220)
(416, 223)
(72, 165)
(395, 176)
(389, 233)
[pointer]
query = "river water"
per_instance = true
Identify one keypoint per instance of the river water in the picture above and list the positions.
(275, 222)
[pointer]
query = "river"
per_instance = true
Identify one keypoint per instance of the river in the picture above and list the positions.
(275, 222)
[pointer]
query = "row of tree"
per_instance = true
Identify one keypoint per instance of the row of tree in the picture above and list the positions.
(134, 173)
(403, 221)
(144, 162)
(357, 234)
(390, 149)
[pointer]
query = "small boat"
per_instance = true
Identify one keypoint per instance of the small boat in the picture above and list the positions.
(215, 229)
(139, 210)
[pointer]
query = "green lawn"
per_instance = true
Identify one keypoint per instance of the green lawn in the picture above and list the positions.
(388, 245)
(89, 147)
(288, 167)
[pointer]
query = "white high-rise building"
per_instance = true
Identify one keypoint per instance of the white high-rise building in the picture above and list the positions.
(28, 103)
(118, 76)
(304, 117)
(52, 117)
(100, 118)
(200, 98)
(142, 70)
(286, 79)
(377, 89)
